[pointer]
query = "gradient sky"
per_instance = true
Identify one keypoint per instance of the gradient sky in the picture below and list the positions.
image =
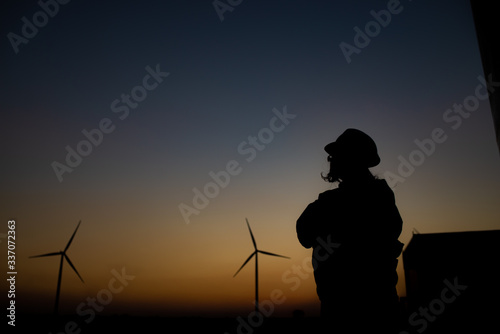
(226, 77)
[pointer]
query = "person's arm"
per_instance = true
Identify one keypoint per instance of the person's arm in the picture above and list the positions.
(305, 225)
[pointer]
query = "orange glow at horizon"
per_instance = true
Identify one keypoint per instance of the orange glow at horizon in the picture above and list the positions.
(184, 269)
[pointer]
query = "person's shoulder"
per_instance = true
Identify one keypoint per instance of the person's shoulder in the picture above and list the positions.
(328, 195)
(382, 183)
(383, 188)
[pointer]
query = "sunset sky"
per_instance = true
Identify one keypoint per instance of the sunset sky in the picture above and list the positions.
(182, 95)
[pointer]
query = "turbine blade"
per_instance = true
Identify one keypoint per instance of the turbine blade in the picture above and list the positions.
(70, 240)
(272, 254)
(251, 234)
(48, 254)
(72, 266)
(245, 263)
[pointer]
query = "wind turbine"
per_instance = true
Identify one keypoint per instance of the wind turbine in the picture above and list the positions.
(256, 253)
(63, 256)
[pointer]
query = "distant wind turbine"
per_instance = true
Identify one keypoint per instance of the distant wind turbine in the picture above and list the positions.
(63, 256)
(256, 253)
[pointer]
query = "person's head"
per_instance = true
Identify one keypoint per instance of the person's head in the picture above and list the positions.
(350, 156)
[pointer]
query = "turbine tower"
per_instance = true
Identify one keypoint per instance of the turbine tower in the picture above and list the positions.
(63, 256)
(256, 253)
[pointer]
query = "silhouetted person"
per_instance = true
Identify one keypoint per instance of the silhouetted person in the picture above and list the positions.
(354, 232)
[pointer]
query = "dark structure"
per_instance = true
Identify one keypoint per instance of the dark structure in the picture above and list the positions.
(485, 15)
(453, 282)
